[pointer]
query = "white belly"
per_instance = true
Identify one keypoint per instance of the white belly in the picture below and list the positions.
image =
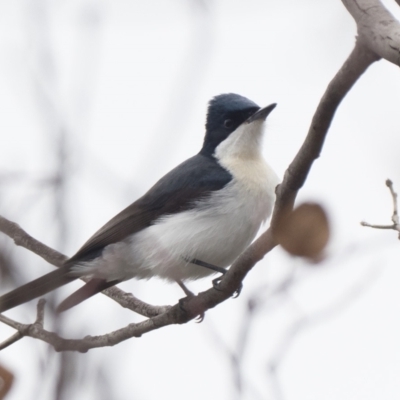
(214, 234)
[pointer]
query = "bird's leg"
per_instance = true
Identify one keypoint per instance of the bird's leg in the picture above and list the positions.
(215, 268)
(207, 265)
(188, 293)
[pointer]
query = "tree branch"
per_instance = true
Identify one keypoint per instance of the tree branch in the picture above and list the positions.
(377, 28)
(395, 216)
(356, 64)
(22, 238)
(126, 300)
(36, 330)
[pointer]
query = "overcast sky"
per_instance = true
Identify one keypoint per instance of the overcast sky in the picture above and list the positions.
(125, 84)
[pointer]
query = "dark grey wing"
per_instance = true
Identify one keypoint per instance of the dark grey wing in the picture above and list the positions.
(177, 191)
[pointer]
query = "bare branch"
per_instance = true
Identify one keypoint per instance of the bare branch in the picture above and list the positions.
(377, 28)
(40, 312)
(13, 324)
(395, 216)
(35, 330)
(356, 64)
(129, 301)
(21, 238)
(363, 223)
(126, 300)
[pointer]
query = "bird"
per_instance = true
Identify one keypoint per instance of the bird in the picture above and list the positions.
(194, 222)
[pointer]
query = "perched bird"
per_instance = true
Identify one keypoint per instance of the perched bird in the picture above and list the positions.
(193, 222)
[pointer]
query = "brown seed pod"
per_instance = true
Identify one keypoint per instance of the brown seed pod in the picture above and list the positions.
(6, 380)
(304, 232)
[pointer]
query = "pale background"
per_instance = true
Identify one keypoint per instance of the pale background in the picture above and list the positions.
(113, 94)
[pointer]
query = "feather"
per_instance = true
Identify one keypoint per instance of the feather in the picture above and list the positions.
(177, 191)
(36, 288)
(91, 288)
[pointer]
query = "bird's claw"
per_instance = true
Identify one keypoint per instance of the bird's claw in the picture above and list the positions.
(199, 318)
(181, 303)
(216, 282)
(237, 292)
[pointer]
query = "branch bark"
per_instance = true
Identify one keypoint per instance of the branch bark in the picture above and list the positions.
(377, 28)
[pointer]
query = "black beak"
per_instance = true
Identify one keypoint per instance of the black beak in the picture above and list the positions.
(262, 113)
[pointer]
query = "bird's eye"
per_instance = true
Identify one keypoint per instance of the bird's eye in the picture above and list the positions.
(228, 123)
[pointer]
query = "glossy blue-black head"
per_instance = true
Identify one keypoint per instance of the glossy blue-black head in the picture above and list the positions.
(226, 113)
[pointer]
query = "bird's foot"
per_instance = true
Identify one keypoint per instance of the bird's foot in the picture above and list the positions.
(215, 268)
(189, 294)
(216, 282)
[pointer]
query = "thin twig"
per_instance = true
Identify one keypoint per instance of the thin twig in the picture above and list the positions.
(13, 324)
(22, 238)
(395, 215)
(89, 342)
(40, 312)
(363, 223)
(126, 300)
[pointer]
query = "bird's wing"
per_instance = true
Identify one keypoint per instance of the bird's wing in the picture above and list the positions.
(177, 191)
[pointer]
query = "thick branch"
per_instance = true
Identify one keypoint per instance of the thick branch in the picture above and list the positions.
(356, 64)
(377, 28)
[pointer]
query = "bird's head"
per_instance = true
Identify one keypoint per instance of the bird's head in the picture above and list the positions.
(234, 126)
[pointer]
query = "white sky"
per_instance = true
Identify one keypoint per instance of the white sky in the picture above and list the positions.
(129, 82)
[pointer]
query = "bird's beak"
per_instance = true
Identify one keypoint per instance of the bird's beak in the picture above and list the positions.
(261, 114)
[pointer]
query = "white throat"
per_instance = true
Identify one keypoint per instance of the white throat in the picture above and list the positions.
(241, 155)
(244, 143)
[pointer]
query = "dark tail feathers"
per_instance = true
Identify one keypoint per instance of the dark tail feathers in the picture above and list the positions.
(91, 288)
(36, 288)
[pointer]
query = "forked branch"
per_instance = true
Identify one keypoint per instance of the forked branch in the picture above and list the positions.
(395, 215)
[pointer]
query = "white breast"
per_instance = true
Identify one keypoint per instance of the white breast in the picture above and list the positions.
(220, 228)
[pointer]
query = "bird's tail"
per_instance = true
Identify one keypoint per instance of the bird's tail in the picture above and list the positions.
(36, 288)
(94, 286)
